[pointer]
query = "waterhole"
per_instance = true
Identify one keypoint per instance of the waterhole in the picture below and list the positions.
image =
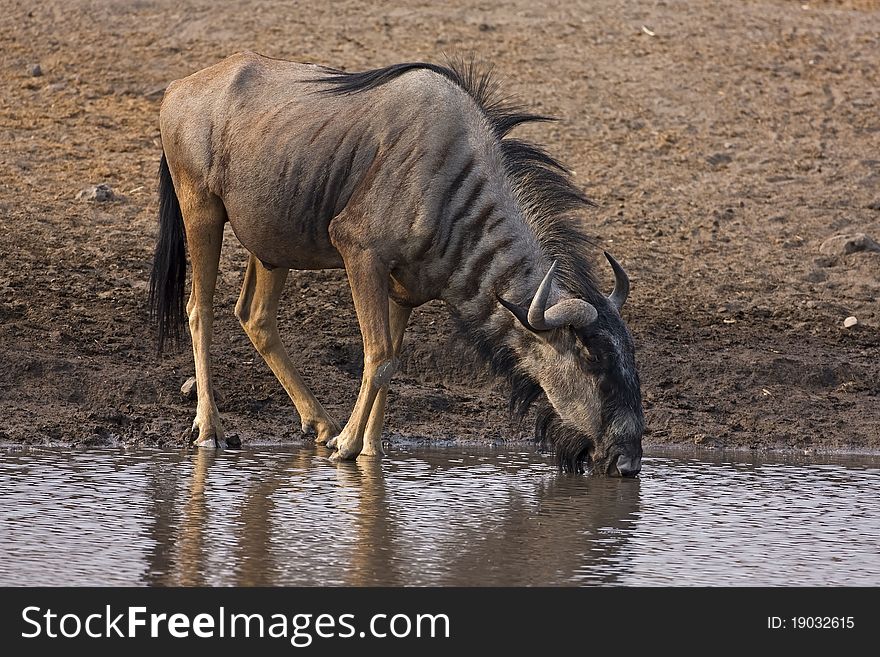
(441, 516)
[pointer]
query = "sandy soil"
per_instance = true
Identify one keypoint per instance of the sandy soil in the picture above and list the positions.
(724, 142)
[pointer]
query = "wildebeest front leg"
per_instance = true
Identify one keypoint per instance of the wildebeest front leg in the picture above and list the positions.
(368, 279)
(257, 310)
(398, 317)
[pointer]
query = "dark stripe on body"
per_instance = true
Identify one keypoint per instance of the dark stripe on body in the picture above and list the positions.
(398, 177)
(444, 227)
(489, 304)
(477, 271)
(342, 179)
(324, 203)
(320, 129)
(455, 224)
(462, 241)
(452, 188)
(437, 170)
(290, 183)
(388, 147)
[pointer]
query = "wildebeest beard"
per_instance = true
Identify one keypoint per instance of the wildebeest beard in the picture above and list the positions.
(573, 449)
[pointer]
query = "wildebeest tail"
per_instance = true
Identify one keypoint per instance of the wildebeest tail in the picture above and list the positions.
(169, 262)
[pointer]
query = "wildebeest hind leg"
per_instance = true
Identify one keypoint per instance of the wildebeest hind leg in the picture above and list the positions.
(203, 216)
(398, 317)
(257, 310)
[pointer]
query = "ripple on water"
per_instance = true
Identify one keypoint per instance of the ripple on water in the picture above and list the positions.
(446, 516)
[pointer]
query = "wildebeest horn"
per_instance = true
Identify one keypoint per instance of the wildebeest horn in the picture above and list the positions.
(621, 283)
(569, 312)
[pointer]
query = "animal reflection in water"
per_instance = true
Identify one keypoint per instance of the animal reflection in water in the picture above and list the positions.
(420, 521)
(405, 177)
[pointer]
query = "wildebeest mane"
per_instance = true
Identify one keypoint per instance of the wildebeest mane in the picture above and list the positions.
(547, 197)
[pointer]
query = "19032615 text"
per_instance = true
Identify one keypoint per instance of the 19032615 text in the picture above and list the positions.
(811, 623)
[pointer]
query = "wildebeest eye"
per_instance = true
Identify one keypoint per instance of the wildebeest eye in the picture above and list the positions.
(599, 347)
(585, 350)
(588, 340)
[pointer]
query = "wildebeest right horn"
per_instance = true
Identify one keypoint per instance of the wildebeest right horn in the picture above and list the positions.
(621, 283)
(569, 312)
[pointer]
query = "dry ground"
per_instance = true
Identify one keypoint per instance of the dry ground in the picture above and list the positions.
(722, 150)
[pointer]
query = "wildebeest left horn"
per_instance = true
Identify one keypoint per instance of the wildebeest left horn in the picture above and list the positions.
(621, 283)
(569, 312)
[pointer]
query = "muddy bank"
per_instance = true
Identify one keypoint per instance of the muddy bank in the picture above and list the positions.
(724, 145)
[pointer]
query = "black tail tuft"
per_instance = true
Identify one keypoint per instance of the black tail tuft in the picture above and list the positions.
(169, 262)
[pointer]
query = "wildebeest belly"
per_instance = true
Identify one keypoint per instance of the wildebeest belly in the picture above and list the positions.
(281, 238)
(283, 192)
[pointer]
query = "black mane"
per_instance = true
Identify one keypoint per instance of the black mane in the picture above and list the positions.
(547, 197)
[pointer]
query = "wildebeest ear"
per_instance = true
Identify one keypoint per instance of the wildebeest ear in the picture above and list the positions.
(522, 314)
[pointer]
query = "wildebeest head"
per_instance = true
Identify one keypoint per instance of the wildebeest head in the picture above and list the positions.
(582, 356)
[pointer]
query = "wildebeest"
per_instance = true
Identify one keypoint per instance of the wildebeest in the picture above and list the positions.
(404, 176)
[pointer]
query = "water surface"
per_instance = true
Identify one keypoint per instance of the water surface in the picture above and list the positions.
(450, 516)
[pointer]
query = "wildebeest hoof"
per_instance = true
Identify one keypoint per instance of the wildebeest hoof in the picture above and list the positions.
(321, 427)
(193, 437)
(211, 442)
(344, 452)
(372, 451)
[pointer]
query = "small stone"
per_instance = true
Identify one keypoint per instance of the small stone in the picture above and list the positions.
(846, 244)
(60, 336)
(874, 205)
(850, 321)
(719, 159)
(188, 389)
(36, 71)
(99, 193)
